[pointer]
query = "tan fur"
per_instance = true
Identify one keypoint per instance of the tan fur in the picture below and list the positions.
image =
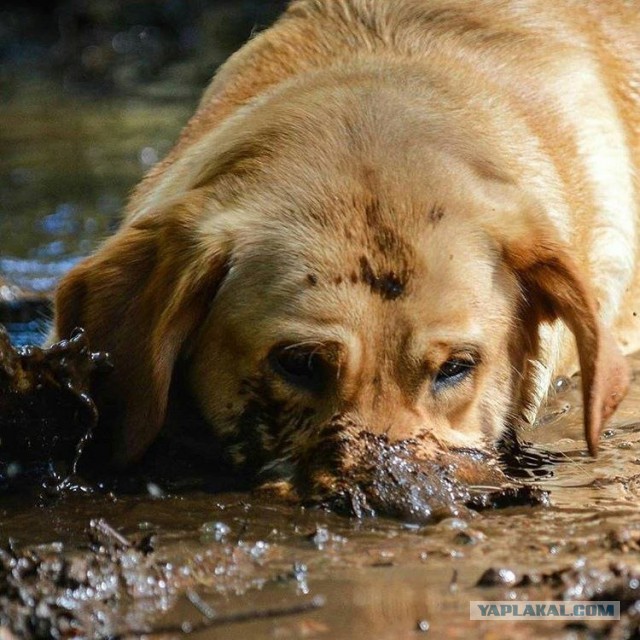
(389, 185)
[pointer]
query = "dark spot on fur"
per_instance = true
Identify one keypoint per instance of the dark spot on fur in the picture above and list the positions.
(312, 279)
(436, 213)
(264, 421)
(354, 277)
(386, 248)
(385, 239)
(388, 243)
(338, 280)
(387, 285)
(372, 213)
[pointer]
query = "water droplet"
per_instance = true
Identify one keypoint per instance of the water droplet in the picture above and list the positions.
(423, 626)
(154, 490)
(217, 530)
(148, 156)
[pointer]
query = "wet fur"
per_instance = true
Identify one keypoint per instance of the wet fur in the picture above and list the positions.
(383, 179)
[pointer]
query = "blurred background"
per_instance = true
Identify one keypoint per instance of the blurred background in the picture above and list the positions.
(92, 94)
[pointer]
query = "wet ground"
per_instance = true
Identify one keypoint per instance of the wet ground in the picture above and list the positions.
(303, 572)
(178, 558)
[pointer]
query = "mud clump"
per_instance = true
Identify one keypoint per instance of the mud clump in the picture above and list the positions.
(366, 475)
(48, 592)
(118, 587)
(46, 412)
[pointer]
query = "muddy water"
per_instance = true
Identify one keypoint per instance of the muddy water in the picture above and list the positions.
(65, 170)
(379, 578)
(66, 166)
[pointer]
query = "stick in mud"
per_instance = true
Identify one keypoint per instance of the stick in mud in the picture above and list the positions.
(249, 615)
(101, 531)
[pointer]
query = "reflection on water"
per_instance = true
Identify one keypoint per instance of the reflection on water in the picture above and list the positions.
(67, 166)
(92, 93)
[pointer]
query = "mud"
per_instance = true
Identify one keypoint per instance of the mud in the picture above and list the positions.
(388, 479)
(114, 588)
(46, 412)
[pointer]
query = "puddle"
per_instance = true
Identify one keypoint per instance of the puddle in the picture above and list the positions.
(229, 564)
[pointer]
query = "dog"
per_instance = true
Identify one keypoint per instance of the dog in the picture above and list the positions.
(396, 218)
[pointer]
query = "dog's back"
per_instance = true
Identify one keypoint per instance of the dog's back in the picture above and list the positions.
(540, 54)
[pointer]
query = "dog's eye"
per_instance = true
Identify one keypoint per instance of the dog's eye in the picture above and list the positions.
(301, 366)
(452, 372)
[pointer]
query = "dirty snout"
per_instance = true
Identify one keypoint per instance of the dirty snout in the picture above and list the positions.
(367, 363)
(360, 473)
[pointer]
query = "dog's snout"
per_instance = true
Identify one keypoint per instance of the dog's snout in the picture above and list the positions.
(388, 412)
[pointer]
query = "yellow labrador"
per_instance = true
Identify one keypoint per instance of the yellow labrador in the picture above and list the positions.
(398, 218)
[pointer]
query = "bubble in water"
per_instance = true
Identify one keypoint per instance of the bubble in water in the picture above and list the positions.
(148, 156)
(216, 530)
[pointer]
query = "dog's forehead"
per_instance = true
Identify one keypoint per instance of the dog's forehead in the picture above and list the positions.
(341, 227)
(374, 263)
(391, 265)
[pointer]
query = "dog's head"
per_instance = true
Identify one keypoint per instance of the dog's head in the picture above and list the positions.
(330, 262)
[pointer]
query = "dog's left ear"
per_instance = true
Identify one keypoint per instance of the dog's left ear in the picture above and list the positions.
(554, 288)
(140, 298)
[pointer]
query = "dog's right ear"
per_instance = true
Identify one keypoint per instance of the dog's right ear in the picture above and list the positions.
(139, 298)
(554, 288)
